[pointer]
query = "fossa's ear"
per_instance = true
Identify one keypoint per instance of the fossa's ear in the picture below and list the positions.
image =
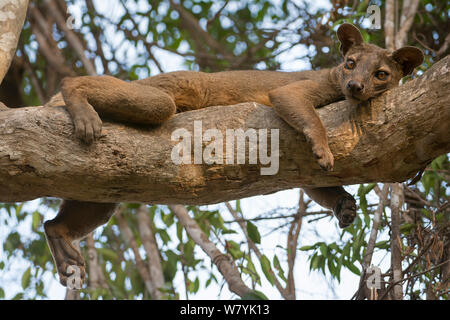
(408, 58)
(348, 36)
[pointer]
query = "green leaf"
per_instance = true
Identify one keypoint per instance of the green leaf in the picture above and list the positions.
(331, 267)
(254, 295)
(228, 231)
(164, 236)
(277, 265)
(251, 270)
(362, 192)
(26, 278)
(18, 296)
(2, 293)
(238, 206)
(253, 233)
(382, 244)
(234, 249)
(307, 248)
(170, 266)
(107, 254)
(196, 285)
(406, 228)
(353, 268)
(314, 264)
(323, 249)
(179, 231)
(35, 220)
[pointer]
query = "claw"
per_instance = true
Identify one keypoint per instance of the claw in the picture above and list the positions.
(88, 126)
(69, 262)
(345, 211)
(324, 157)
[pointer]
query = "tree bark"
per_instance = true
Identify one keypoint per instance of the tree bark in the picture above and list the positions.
(387, 140)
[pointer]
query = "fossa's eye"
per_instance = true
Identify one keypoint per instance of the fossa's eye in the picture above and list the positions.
(382, 75)
(350, 64)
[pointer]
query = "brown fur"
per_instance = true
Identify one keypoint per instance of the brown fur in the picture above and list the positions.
(294, 96)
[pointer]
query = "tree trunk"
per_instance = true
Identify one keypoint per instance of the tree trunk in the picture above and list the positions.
(387, 140)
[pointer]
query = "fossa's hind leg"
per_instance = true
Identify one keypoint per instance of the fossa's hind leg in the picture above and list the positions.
(74, 221)
(90, 97)
(337, 199)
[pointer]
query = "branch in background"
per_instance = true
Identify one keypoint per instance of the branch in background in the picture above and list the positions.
(253, 247)
(292, 242)
(224, 263)
(151, 249)
(382, 194)
(389, 25)
(129, 238)
(47, 45)
(397, 199)
(443, 49)
(97, 32)
(409, 11)
(13, 15)
(72, 38)
(96, 277)
(200, 36)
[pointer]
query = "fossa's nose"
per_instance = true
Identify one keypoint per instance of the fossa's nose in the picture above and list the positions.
(355, 86)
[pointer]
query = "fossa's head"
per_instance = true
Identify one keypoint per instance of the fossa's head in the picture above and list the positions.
(369, 70)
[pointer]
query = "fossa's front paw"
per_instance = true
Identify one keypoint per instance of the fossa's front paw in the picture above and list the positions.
(345, 211)
(88, 126)
(324, 157)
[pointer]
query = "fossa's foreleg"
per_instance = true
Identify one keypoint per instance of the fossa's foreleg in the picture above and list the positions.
(296, 103)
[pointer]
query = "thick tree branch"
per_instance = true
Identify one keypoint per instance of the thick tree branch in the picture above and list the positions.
(151, 249)
(386, 140)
